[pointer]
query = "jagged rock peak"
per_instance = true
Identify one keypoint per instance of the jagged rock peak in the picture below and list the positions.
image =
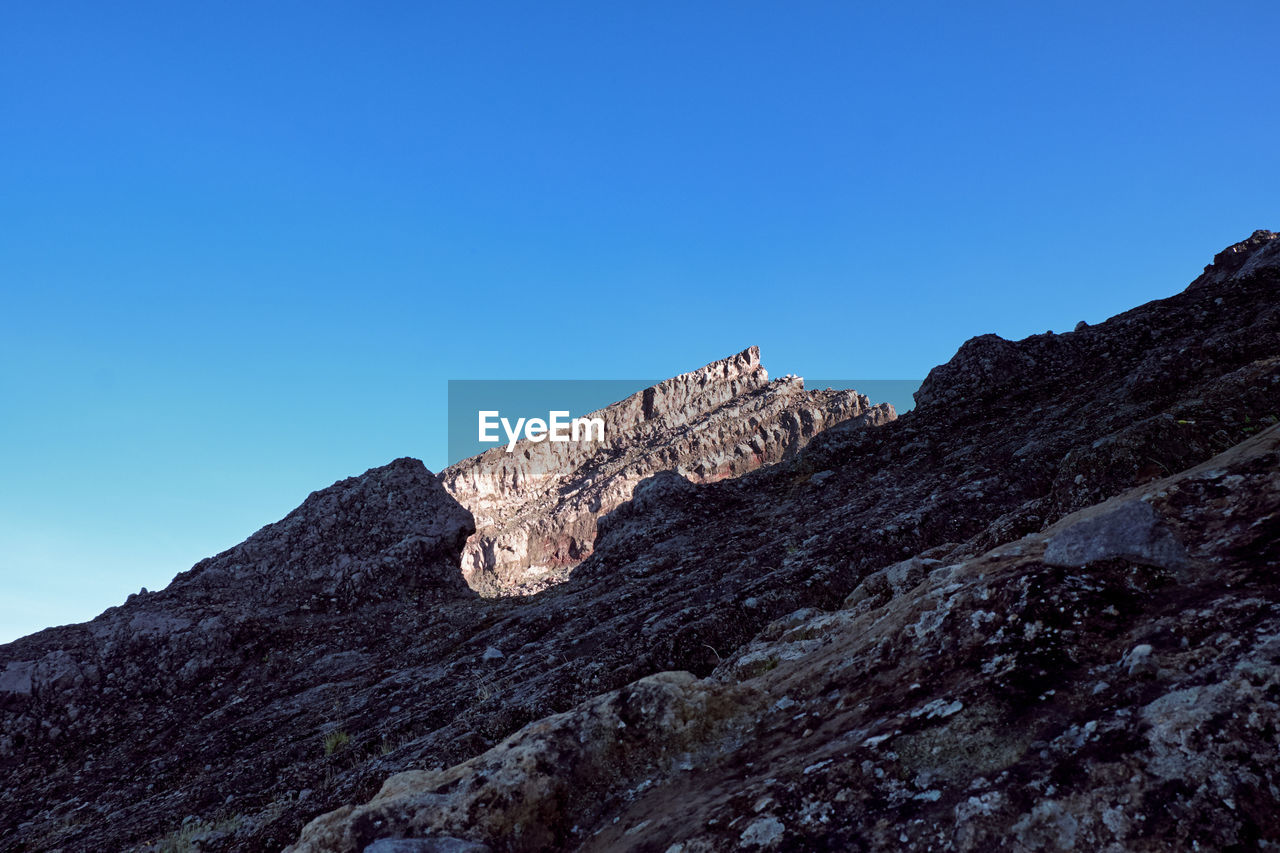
(536, 508)
(671, 397)
(1259, 251)
(745, 363)
(684, 397)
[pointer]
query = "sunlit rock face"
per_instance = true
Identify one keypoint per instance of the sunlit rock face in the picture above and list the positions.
(536, 508)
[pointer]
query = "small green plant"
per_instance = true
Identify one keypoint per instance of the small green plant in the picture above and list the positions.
(335, 741)
(182, 840)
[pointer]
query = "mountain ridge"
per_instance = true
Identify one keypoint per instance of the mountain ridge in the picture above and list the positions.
(110, 741)
(537, 507)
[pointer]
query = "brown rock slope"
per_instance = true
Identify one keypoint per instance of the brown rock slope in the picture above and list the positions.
(110, 742)
(536, 508)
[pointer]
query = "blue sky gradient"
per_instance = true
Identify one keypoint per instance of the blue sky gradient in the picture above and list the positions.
(243, 247)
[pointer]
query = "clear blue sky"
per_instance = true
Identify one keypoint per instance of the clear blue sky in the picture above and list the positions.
(243, 247)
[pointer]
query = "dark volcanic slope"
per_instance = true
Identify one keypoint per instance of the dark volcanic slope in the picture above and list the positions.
(1109, 684)
(214, 701)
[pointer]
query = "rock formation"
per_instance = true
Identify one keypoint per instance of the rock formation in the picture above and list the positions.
(1037, 611)
(986, 703)
(536, 508)
(392, 531)
(222, 669)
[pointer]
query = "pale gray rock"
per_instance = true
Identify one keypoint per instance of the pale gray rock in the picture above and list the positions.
(16, 678)
(528, 783)
(763, 832)
(1141, 662)
(1130, 531)
(879, 586)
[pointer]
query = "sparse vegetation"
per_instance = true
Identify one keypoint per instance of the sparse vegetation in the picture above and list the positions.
(336, 741)
(802, 470)
(182, 840)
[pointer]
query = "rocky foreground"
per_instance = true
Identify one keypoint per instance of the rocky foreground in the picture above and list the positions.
(1037, 612)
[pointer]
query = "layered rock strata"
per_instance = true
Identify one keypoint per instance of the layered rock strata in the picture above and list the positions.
(536, 507)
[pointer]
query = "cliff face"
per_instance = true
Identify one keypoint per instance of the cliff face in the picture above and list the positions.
(536, 508)
(1038, 610)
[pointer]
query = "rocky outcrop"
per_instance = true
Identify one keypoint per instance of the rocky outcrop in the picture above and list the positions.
(536, 508)
(1254, 256)
(391, 531)
(528, 791)
(959, 629)
(999, 701)
(244, 648)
